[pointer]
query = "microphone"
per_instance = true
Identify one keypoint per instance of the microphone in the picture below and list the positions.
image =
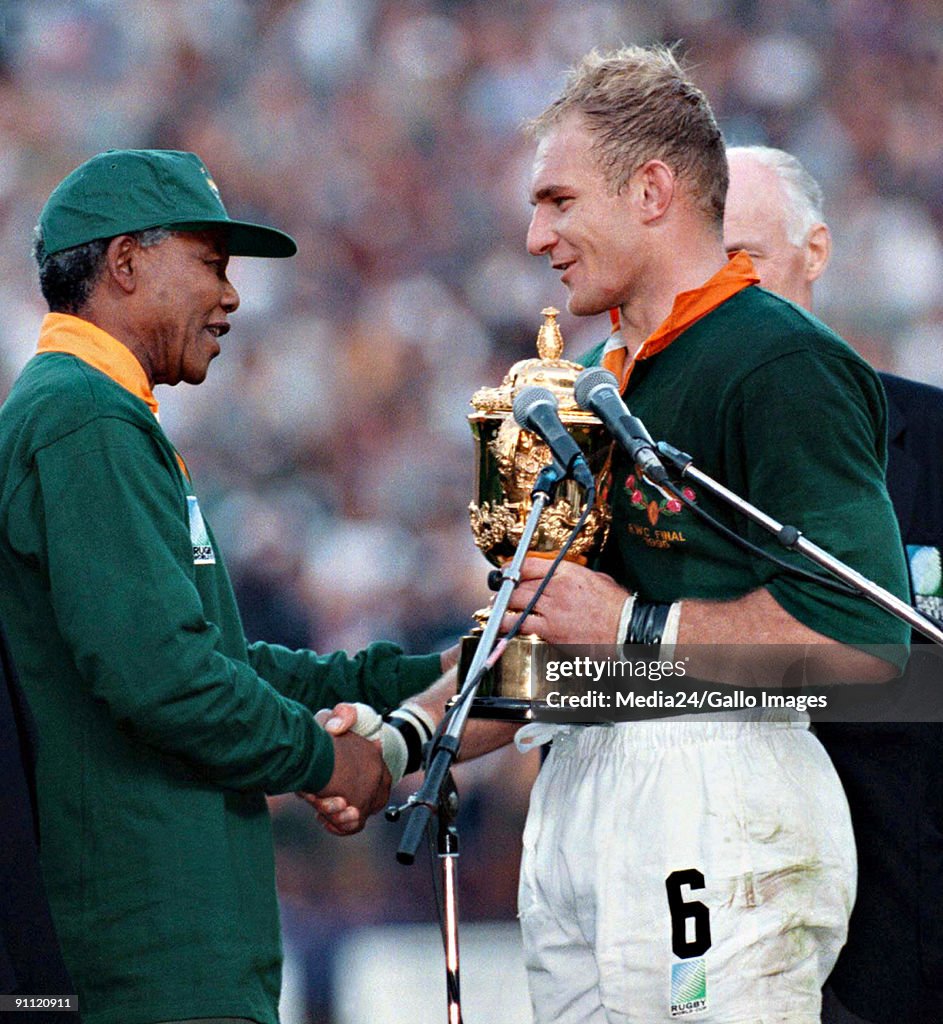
(596, 390)
(535, 409)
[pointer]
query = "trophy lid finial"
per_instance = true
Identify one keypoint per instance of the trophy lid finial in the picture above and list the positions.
(549, 370)
(549, 338)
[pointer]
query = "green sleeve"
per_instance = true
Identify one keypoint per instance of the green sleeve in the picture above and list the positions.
(380, 676)
(122, 584)
(813, 429)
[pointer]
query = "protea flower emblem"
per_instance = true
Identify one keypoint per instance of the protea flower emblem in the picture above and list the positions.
(652, 506)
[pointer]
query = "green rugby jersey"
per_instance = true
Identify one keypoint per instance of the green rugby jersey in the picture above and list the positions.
(160, 730)
(775, 406)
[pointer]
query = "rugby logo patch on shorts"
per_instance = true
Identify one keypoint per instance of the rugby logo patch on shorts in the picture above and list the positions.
(926, 579)
(688, 987)
(203, 553)
(690, 940)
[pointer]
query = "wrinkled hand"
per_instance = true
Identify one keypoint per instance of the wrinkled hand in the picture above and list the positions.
(579, 606)
(360, 784)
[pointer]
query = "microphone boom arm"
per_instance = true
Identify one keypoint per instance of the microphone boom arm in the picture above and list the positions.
(792, 539)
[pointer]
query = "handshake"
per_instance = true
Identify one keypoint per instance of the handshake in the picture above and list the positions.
(371, 754)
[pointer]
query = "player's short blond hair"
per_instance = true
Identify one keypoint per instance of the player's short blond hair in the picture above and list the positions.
(640, 104)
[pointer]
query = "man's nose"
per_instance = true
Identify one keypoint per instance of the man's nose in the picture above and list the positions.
(540, 234)
(230, 299)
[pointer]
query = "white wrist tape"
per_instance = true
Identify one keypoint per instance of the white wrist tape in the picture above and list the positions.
(419, 717)
(371, 726)
(624, 619)
(669, 639)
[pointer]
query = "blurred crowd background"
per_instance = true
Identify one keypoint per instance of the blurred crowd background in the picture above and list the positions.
(330, 444)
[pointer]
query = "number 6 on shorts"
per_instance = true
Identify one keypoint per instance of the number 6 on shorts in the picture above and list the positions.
(682, 913)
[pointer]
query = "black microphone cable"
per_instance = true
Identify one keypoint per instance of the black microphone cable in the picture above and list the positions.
(596, 390)
(467, 686)
(828, 582)
(465, 693)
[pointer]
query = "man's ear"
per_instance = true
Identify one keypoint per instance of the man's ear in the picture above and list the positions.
(654, 187)
(122, 262)
(818, 250)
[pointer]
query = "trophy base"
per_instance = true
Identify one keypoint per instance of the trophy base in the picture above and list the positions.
(514, 687)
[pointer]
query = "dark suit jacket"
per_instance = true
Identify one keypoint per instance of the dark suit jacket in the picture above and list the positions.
(891, 969)
(30, 959)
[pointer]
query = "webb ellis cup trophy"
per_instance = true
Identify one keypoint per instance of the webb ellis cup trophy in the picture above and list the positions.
(524, 501)
(508, 461)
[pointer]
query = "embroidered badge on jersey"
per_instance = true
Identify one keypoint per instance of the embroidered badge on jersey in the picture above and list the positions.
(688, 987)
(643, 500)
(926, 579)
(203, 553)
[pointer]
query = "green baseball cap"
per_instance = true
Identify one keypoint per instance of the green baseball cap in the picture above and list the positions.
(126, 190)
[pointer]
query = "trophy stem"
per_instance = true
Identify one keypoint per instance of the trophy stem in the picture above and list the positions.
(511, 576)
(512, 463)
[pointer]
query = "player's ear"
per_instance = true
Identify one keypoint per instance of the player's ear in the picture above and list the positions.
(818, 247)
(654, 184)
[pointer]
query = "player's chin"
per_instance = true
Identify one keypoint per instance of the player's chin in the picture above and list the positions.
(583, 308)
(585, 305)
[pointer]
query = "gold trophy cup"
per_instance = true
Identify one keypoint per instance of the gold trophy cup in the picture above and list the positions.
(508, 460)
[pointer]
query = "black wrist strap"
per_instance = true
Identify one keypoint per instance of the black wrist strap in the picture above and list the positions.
(647, 624)
(414, 734)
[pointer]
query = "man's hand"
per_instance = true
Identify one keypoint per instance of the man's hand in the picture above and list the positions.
(579, 606)
(360, 784)
(480, 737)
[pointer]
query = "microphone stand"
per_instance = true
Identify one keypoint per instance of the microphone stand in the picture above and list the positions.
(438, 794)
(792, 539)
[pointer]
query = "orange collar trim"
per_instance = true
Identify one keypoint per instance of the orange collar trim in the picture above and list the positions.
(689, 307)
(61, 332)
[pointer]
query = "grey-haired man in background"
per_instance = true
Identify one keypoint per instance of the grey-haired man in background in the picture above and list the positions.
(891, 969)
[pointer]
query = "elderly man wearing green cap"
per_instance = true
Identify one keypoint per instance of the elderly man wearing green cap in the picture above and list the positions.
(161, 730)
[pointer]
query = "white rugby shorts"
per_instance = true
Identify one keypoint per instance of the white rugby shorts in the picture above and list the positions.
(673, 871)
